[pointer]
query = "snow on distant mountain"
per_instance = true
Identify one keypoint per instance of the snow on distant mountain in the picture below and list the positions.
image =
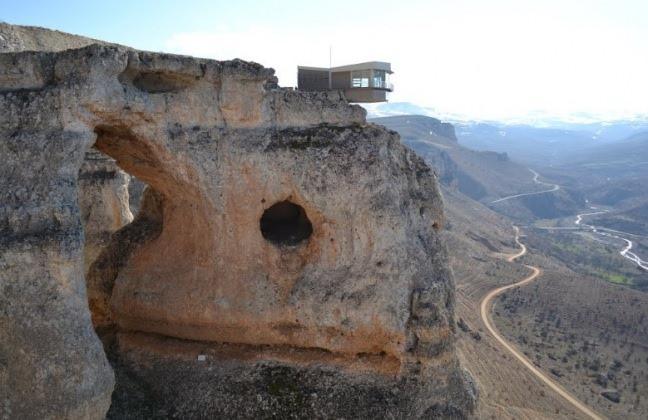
(540, 139)
(392, 109)
(581, 121)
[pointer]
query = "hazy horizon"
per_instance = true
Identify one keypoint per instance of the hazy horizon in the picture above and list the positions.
(180, 238)
(536, 118)
(502, 60)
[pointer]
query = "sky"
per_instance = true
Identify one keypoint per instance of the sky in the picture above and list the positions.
(488, 59)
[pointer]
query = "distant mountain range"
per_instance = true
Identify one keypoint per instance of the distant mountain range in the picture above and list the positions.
(539, 119)
(481, 175)
(540, 142)
(545, 146)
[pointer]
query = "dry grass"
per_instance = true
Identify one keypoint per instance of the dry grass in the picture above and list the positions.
(507, 390)
(590, 334)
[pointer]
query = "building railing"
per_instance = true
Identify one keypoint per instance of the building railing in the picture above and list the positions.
(383, 84)
(372, 84)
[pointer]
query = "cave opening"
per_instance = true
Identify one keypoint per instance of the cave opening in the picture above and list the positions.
(285, 224)
(109, 200)
(118, 211)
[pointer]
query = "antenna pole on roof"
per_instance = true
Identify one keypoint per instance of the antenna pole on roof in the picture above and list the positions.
(330, 66)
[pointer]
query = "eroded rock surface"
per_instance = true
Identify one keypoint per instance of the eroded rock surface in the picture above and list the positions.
(103, 200)
(280, 233)
(15, 38)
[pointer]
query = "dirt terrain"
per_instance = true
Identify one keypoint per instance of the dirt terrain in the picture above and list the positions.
(507, 390)
(584, 333)
(590, 335)
(486, 308)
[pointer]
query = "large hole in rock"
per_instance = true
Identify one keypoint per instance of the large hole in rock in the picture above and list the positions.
(104, 201)
(285, 223)
(115, 216)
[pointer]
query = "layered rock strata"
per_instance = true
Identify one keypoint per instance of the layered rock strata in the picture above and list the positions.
(286, 259)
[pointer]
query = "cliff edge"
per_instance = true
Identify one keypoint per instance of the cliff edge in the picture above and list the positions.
(286, 260)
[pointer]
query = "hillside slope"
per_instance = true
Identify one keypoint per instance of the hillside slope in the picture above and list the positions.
(545, 146)
(613, 177)
(627, 158)
(481, 175)
(477, 237)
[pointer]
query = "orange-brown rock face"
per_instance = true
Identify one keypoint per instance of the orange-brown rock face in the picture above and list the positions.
(345, 286)
(278, 226)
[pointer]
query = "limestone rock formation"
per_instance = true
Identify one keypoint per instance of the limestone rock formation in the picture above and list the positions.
(286, 260)
(15, 38)
(103, 200)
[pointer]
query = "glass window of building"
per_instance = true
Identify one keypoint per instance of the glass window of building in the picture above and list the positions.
(379, 79)
(360, 78)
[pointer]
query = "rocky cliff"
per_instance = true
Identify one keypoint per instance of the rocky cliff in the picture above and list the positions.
(286, 259)
(14, 38)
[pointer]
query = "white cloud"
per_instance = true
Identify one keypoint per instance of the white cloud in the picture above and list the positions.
(465, 58)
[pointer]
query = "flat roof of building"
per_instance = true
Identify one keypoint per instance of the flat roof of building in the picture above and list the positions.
(369, 65)
(313, 68)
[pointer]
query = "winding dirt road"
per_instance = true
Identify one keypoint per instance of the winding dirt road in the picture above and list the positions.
(554, 187)
(485, 310)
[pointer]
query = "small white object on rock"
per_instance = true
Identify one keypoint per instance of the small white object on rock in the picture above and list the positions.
(202, 357)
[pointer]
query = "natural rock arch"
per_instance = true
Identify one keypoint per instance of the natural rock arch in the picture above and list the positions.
(367, 292)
